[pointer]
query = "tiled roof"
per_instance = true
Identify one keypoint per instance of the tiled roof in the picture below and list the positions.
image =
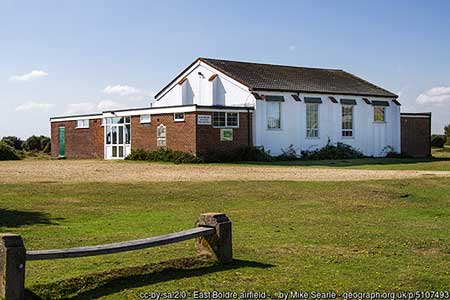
(296, 79)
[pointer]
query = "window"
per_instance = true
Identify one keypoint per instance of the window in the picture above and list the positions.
(273, 115)
(161, 136)
(178, 117)
(226, 119)
(117, 120)
(145, 119)
(83, 123)
(347, 121)
(312, 120)
(379, 114)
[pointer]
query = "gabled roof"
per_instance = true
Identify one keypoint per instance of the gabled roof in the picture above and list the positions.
(268, 77)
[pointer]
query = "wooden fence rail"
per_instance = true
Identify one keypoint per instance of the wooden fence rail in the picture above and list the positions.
(212, 233)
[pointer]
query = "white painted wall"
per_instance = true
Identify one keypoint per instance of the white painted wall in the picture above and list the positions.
(369, 137)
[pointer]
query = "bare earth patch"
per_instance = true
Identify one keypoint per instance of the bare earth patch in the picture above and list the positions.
(66, 171)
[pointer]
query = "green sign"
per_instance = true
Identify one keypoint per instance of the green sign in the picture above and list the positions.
(62, 141)
(226, 134)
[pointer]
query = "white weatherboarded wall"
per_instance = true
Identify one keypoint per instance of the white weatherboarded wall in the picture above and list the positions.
(369, 137)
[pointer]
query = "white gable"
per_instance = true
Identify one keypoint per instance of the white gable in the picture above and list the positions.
(203, 85)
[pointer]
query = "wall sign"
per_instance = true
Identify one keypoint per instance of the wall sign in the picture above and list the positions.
(226, 134)
(204, 120)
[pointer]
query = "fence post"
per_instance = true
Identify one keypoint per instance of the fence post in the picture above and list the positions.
(12, 267)
(219, 245)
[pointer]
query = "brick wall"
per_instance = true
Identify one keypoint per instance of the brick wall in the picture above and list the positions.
(79, 143)
(208, 137)
(179, 135)
(416, 135)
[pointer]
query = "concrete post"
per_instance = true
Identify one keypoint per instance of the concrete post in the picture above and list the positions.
(12, 267)
(219, 245)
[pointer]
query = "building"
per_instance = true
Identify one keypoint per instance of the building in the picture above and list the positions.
(217, 106)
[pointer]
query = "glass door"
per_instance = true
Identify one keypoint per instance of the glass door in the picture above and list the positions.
(117, 138)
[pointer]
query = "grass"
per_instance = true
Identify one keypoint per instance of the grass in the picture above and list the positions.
(347, 236)
(440, 161)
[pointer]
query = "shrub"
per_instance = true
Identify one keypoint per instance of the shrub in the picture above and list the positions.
(438, 141)
(164, 155)
(37, 143)
(338, 151)
(447, 133)
(13, 141)
(288, 154)
(7, 152)
(245, 153)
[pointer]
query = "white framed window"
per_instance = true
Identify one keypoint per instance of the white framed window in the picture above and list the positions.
(178, 117)
(145, 119)
(273, 115)
(226, 119)
(379, 114)
(161, 135)
(84, 123)
(347, 121)
(312, 120)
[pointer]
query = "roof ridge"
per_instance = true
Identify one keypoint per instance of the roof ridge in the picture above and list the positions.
(266, 64)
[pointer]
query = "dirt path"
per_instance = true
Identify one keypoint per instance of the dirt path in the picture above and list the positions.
(114, 171)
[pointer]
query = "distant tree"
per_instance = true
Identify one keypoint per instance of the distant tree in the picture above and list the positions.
(7, 152)
(13, 141)
(33, 143)
(438, 141)
(447, 133)
(45, 143)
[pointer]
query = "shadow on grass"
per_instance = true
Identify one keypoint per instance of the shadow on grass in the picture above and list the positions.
(16, 218)
(97, 285)
(352, 162)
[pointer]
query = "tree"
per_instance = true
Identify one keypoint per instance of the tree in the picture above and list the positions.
(13, 141)
(33, 143)
(447, 133)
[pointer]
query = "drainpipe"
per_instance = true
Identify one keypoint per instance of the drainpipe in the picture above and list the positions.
(249, 128)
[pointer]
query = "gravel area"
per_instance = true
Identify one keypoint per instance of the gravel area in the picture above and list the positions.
(67, 171)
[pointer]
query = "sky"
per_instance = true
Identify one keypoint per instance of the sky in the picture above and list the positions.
(70, 57)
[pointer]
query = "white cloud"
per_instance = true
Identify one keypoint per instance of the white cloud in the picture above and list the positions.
(35, 74)
(437, 95)
(33, 106)
(92, 107)
(292, 48)
(121, 90)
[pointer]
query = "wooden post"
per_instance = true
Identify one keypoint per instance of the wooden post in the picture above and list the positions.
(219, 245)
(12, 267)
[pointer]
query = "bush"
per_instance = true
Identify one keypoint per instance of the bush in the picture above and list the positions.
(288, 154)
(245, 153)
(37, 143)
(164, 155)
(7, 152)
(13, 141)
(438, 141)
(447, 133)
(338, 151)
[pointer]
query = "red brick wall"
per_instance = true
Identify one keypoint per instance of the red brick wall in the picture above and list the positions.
(179, 135)
(208, 137)
(416, 135)
(80, 143)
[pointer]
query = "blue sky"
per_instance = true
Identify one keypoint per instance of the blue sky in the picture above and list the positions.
(63, 57)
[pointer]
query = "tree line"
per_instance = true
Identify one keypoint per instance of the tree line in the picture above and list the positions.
(14, 148)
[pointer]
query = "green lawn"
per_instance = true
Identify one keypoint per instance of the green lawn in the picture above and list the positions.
(439, 162)
(357, 236)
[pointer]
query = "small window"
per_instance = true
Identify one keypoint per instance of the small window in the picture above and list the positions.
(83, 123)
(178, 117)
(347, 121)
(145, 119)
(226, 119)
(379, 114)
(219, 119)
(312, 120)
(232, 119)
(161, 135)
(273, 115)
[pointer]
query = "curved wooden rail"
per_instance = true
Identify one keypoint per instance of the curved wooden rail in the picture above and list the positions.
(122, 246)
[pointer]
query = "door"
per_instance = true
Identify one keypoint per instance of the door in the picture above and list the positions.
(117, 141)
(62, 141)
